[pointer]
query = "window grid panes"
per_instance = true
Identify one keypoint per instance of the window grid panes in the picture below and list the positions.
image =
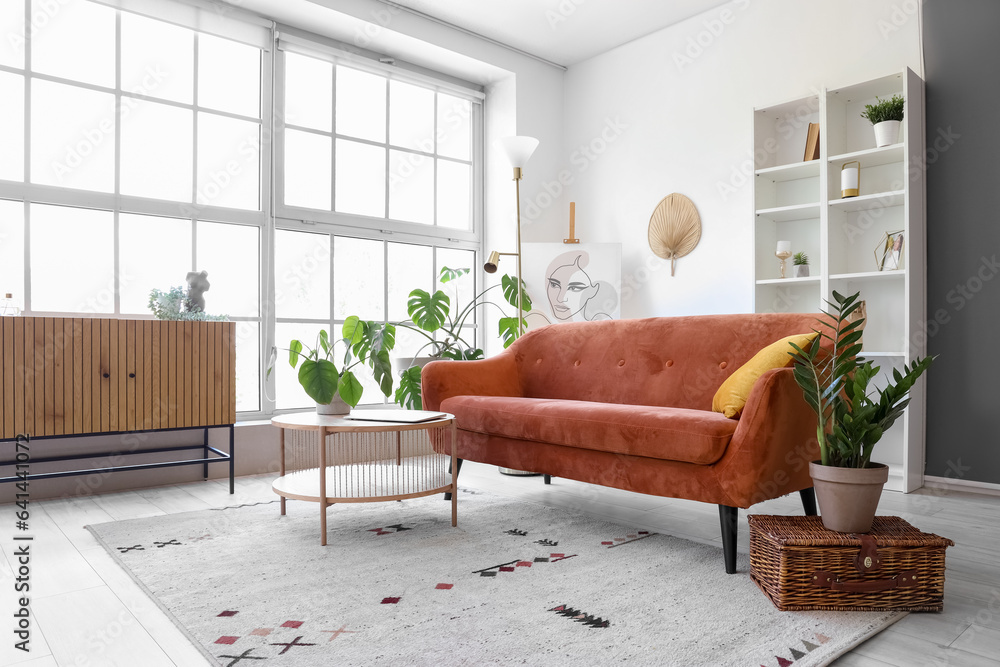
(368, 144)
(148, 157)
(367, 277)
(144, 163)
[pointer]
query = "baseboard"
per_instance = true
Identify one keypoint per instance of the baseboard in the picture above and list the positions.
(952, 484)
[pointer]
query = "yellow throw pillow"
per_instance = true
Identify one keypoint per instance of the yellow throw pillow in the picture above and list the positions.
(732, 395)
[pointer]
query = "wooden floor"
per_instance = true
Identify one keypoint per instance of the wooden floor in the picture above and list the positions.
(87, 611)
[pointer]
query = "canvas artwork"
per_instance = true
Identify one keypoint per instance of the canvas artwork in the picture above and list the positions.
(572, 283)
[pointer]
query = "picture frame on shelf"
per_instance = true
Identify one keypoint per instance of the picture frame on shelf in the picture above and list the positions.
(889, 252)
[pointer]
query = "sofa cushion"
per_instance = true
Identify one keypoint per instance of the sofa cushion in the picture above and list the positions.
(676, 434)
(732, 396)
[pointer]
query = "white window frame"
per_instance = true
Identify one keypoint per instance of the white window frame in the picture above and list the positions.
(229, 22)
(386, 230)
(201, 21)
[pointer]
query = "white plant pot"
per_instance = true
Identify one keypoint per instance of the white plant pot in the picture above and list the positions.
(886, 133)
(801, 271)
(338, 407)
(402, 363)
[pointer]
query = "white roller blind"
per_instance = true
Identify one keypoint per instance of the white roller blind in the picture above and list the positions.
(215, 18)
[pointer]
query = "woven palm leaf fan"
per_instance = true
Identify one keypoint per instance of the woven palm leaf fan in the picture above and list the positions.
(674, 228)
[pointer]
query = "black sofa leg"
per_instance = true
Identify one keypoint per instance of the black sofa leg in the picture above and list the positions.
(809, 501)
(548, 479)
(729, 518)
(447, 496)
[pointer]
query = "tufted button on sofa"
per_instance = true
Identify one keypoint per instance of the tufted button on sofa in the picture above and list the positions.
(628, 404)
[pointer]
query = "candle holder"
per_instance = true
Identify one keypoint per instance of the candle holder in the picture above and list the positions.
(783, 252)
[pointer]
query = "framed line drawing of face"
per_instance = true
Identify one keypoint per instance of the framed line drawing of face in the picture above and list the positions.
(572, 283)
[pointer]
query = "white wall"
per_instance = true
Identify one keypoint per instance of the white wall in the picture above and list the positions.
(682, 101)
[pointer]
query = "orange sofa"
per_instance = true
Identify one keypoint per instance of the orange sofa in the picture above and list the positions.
(627, 404)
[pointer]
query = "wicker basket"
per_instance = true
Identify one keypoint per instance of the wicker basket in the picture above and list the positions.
(799, 564)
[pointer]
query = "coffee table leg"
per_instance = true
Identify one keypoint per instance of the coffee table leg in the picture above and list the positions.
(454, 475)
(322, 486)
(282, 448)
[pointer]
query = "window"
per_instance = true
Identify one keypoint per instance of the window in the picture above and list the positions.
(137, 149)
(366, 143)
(377, 195)
(143, 163)
(370, 278)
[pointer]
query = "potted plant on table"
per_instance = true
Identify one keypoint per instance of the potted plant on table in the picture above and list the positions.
(852, 415)
(801, 262)
(337, 390)
(431, 317)
(885, 116)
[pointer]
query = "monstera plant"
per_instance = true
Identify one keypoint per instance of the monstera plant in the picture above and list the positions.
(362, 342)
(431, 317)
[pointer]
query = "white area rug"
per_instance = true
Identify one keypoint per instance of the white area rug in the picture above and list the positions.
(515, 584)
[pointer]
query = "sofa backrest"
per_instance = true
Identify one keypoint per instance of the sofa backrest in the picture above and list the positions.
(662, 361)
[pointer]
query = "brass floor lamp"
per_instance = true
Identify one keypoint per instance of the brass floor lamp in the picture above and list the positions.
(518, 151)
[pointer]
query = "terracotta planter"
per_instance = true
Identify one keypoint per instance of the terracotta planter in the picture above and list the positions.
(338, 407)
(848, 497)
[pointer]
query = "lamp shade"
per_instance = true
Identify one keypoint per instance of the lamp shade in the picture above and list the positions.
(517, 149)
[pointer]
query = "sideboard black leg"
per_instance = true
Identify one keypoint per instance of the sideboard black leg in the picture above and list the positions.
(548, 479)
(729, 518)
(232, 459)
(809, 501)
(447, 495)
(204, 455)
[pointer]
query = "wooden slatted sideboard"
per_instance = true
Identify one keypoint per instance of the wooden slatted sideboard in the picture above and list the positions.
(69, 377)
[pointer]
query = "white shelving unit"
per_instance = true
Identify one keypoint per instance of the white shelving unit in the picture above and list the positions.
(800, 202)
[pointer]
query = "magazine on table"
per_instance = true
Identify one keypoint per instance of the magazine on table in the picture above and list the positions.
(398, 416)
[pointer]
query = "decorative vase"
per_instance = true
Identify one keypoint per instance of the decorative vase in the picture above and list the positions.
(801, 270)
(338, 407)
(886, 133)
(9, 307)
(848, 497)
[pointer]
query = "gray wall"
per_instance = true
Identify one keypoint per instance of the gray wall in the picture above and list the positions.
(962, 52)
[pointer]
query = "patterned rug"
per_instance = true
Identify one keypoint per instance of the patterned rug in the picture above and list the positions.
(515, 583)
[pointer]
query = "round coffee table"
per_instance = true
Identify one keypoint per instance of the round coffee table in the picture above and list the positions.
(369, 461)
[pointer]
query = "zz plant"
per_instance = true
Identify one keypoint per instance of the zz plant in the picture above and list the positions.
(838, 385)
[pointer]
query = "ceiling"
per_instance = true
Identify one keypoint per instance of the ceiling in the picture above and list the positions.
(564, 32)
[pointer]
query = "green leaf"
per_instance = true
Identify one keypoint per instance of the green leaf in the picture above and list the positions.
(352, 330)
(428, 311)
(447, 275)
(510, 292)
(324, 341)
(463, 354)
(294, 350)
(508, 330)
(408, 392)
(350, 389)
(371, 339)
(382, 371)
(319, 379)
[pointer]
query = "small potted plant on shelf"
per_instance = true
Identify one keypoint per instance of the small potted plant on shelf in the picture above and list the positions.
(431, 317)
(337, 390)
(852, 415)
(801, 262)
(885, 116)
